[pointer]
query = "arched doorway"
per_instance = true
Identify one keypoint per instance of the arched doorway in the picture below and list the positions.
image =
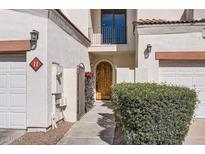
(103, 80)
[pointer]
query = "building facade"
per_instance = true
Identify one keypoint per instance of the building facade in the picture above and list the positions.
(26, 95)
(162, 46)
(118, 45)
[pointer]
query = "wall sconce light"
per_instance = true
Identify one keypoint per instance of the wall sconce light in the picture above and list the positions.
(148, 50)
(81, 65)
(92, 64)
(34, 38)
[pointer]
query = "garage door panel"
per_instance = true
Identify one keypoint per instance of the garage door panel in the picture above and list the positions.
(167, 75)
(168, 80)
(17, 81)
(3, 81)
(198, 74)
(3, 119)
(3, 101)
(17, 66)
(201, 95)
(165, 69)
(200, 111)
(187, 70)
(200, 81)
(184, 81)
(4, 67)
(199, 69)
(13, 91)
(18, 101)
(189, 74)
(17, 120)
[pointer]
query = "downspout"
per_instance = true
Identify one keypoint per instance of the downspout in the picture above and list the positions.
(53, 116)
(54, 93)
(136, 48)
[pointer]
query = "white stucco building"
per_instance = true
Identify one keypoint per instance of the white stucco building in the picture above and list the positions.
(117, 45)
(161, 46)
(25, 94)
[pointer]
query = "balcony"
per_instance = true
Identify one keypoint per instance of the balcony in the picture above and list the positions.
(107, 36)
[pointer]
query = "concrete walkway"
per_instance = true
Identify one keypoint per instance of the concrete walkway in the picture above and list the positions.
(95, 127)
(9, 135)
(196, 134)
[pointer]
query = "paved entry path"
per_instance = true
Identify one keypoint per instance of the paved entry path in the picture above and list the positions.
(9, 135)
(95, 127)
(196, 134)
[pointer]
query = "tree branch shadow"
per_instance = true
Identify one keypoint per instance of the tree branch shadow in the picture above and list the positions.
(108, 122)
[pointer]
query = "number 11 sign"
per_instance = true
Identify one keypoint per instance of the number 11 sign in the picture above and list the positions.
(36, 64)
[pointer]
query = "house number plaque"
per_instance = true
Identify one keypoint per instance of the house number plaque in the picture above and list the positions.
(36, 64)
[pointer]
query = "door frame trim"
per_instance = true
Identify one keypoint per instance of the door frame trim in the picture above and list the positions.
(95, 67)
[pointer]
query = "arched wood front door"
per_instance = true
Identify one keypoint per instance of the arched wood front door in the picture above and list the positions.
(103, 81)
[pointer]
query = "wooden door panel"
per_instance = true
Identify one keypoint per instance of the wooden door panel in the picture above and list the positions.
(103, 80)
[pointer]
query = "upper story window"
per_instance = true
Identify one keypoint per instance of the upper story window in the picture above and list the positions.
(113, 26)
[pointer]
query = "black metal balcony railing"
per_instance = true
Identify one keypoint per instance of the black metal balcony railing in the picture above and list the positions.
(108, 35)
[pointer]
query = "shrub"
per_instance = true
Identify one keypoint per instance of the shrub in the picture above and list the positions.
(89, 91)
(149, 113)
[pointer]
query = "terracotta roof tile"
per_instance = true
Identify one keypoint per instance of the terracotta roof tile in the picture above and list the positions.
(162, 21)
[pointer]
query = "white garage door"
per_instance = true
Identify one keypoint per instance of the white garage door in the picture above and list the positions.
(13, 91)
(189, 74)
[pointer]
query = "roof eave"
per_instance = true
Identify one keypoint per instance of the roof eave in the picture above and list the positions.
(170, 24)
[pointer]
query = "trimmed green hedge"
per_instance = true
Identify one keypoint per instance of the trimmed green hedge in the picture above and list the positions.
(149, 113)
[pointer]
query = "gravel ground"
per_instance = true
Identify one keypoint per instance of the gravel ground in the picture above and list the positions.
(50, 137)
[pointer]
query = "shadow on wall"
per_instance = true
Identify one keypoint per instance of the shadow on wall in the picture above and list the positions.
(108, 122)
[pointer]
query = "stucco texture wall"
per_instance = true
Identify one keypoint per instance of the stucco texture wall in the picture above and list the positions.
(80, 18)
(199, 14)
(148, 68)
(17, 26)
(123, 65)
(54, 45)
(68, 52)
(168, 14)
(95, 32)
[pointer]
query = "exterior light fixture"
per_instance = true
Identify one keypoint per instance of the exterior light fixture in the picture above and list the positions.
(92, 64)
(81, 65)
(148, 50)
(34, 38)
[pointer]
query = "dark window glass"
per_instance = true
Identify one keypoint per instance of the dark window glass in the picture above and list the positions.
(113, 26)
